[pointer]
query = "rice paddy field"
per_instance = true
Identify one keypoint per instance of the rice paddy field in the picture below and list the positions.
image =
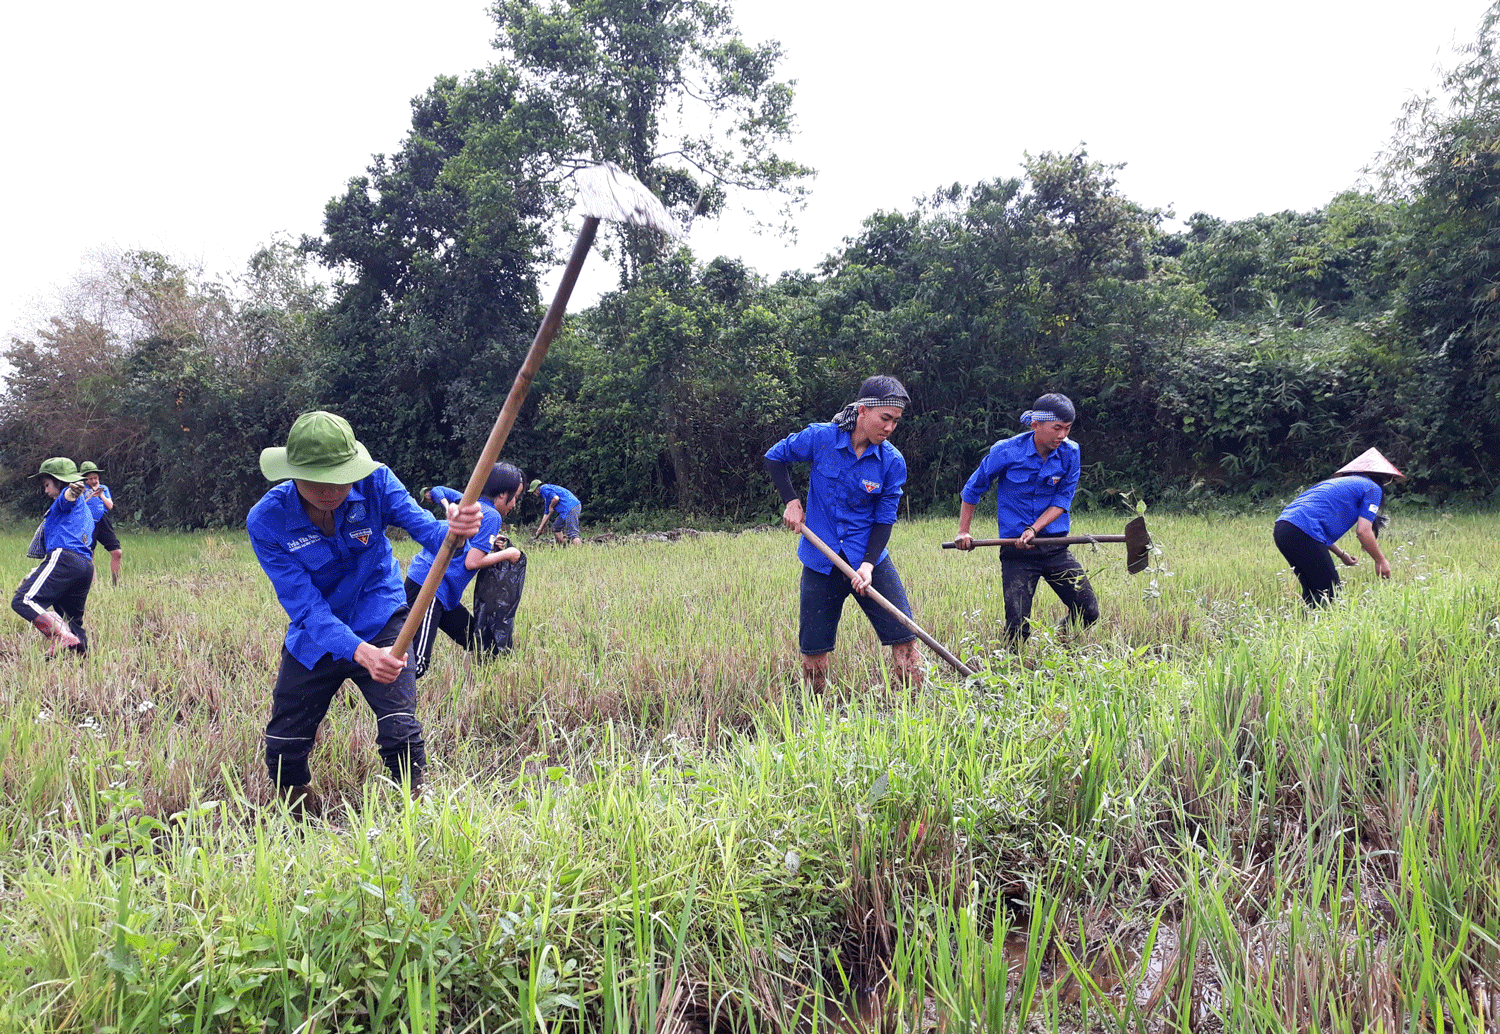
(1211, 811)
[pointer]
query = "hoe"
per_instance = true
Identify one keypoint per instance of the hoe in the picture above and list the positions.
(1137, 543)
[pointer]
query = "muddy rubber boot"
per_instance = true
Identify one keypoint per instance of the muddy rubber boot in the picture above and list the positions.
(301, 801)
(56, 631)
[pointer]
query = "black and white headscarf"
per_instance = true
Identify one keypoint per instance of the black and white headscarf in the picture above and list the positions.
(845, 417)
(1050, 406)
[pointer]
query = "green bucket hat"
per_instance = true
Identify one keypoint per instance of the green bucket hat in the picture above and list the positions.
(535, 485)
(90, 467)
(320, 447)
(59, 467)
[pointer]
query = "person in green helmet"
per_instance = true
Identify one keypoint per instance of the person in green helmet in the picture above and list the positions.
(102, 504)
(55, 594)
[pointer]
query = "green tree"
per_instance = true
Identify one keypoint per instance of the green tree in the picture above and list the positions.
(1445, 161)
(666, 89)
(436, 250)
(679, 383)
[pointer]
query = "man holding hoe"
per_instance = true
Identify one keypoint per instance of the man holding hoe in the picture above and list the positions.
(853, 491)
(562, 508)
(320, 537)
(1038, 473)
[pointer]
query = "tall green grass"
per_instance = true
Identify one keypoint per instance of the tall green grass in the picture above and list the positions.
(1210, 808)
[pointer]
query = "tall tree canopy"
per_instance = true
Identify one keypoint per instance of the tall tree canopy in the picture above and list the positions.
(666, 89)
(1446, 161)
(437, 248)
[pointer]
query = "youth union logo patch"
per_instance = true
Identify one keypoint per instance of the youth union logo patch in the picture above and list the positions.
(357, 512)
(870, 486)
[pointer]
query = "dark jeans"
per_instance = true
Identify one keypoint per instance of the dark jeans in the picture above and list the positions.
(1021, 569)
(457, 624)
(61, 581)
(823, 598)
(301, 699)
(1310, 560)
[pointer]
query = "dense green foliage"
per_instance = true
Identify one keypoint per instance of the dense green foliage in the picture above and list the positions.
(1244, 357)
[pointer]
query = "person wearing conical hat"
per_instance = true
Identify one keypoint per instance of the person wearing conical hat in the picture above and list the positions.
(53, 596)
(320, 537)
(1309, 529)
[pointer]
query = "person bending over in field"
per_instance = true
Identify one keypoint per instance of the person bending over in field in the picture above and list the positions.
(853, 491)
(563, 509)
(62, 579)
(1038, 473)
(320, 538)
(101, 505)
(1309, 529)
(501, 492)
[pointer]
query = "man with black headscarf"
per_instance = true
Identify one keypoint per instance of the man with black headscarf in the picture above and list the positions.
(1038, 473)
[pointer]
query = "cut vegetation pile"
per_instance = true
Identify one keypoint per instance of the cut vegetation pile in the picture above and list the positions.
(1210, 811)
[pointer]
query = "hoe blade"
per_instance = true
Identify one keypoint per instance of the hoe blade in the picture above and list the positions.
(1137, 546)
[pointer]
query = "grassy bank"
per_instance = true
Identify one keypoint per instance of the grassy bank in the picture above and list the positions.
(1210, 808)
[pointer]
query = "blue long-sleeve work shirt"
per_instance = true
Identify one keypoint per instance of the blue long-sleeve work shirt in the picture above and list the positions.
(338, 590)
(847, 495)
(1029, 484)
(457, 578)
(69, 525)
(567, 502)
(1327, 510)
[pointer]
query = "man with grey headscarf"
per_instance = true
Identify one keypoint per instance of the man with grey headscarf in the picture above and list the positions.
(853, 491)
(1038, 473)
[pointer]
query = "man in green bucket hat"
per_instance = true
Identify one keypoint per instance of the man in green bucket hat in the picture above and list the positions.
(56, 592)
(320, 538)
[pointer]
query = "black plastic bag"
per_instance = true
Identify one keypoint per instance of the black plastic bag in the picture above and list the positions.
(497, 595)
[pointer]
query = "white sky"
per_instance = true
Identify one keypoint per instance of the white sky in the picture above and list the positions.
(203, 129)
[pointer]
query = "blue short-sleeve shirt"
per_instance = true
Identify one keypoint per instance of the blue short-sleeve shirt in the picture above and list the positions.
(847, 495)
(456, 579)
(338, 590)
(69, 525)
(567, 501)
(1327, 510)
(96, 503)
(1029, 484)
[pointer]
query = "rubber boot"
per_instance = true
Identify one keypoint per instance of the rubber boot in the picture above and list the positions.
(301, 801)
(56, 631)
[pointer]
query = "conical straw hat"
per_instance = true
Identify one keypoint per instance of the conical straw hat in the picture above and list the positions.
(1370, 462)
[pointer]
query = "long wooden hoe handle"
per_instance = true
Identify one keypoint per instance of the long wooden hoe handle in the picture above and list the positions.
(1060, 540)
(501, 431)
(895, 611)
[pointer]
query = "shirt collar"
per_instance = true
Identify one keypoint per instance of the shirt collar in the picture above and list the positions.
(297, 513)
(845, 440)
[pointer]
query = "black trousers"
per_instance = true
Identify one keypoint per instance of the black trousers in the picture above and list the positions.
(61, 581)
(104, 534)
(1310, 560)
(1021, 569)
(302, 697)
(457, 624)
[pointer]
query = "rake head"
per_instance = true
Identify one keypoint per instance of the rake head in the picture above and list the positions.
(609, 192)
